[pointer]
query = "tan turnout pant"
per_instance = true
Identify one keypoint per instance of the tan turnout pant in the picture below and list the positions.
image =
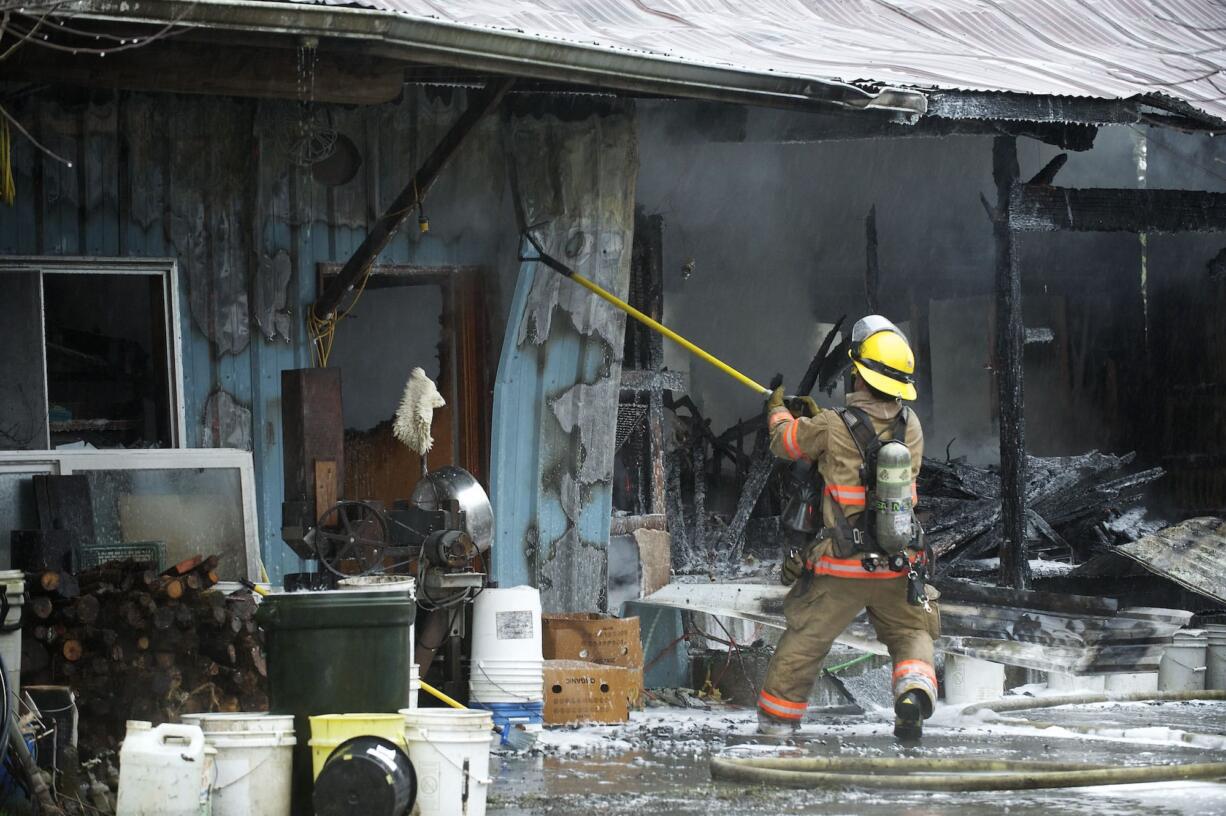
(819, 608)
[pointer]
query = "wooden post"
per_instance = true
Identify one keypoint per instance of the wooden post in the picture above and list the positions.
(1014, 566)
(653, 262)
(381, 233)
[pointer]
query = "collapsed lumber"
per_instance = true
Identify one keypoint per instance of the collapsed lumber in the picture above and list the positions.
(134, 644)
(1069, 499)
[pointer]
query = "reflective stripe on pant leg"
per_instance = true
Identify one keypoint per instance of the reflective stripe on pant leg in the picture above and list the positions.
(915, 674)
(781, 709)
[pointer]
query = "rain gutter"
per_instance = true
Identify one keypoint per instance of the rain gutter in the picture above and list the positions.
(508, 52)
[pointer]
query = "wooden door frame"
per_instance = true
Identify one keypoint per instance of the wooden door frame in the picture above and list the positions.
(463, 347)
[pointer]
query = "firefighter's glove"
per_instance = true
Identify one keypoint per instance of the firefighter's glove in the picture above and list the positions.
(793, 566)
(775, 400)
(803, 407)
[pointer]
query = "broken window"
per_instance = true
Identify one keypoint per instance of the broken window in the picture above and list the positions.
(90, 350)
(181, 503)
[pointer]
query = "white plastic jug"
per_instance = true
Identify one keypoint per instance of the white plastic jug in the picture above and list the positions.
(164, 771)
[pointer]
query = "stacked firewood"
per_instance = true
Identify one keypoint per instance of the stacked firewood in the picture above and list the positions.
(136, 644)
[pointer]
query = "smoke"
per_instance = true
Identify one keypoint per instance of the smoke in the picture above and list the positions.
(765, 244)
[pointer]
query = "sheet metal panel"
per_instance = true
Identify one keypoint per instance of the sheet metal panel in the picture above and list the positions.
(1189, 553)
(1035, 638)
(555, 395)
(1113, 49)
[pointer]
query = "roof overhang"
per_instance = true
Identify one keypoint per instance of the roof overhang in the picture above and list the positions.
(513, 54)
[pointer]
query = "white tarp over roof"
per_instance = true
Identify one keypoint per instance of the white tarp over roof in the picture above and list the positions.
(1108, 49)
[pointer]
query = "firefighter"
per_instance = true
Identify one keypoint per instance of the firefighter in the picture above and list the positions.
(844, 568)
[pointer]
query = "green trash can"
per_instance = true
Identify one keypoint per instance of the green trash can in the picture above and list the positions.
(335, 652)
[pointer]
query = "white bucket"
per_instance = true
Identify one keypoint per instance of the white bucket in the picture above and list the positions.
(970, 680)
(254, 761)
(507, 624)
(507, 663)
(1131, 682)
(1184, 662)
(450, 751)
(1215, 657)
(163, 771)
(13, 584)
(414, 685)
(1059, 681)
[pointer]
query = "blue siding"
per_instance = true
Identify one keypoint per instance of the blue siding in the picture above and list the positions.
(212, 183)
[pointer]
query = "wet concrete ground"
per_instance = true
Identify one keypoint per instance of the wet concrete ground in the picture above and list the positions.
(657, 764)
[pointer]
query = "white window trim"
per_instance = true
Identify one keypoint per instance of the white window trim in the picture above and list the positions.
(167, 269)
(67, 462)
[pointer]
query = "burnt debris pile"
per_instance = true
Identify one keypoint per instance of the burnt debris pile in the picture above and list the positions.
(1075, 505)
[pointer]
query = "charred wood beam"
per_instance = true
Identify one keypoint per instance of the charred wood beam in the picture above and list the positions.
(235, 70)
(813, 372)
(1028, 109)
(675, 509)
(872, 266)
(653, 269)
(1014, 565)
(1038, 208)
(1048, 174)
(719, 443)
(698, 462)
(841, 127)
(646, 381)
(732, 542)
(385, 228)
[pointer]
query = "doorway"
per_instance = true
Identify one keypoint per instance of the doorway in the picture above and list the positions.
(412, 316)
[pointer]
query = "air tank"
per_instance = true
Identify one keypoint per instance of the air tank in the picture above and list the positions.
(893, 503)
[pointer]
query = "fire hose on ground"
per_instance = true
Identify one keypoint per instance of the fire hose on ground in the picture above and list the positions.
(970, 775)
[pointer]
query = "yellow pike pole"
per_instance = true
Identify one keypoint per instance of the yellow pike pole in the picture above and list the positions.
(659, 327)
(655, 325)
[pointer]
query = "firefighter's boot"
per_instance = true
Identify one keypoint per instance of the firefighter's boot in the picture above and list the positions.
(769, 726)
(909, 716)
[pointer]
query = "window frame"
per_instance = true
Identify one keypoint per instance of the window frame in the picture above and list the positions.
(66, 462)
(165, 268)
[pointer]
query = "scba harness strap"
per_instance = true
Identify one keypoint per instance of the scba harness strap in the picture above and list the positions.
(857, 537)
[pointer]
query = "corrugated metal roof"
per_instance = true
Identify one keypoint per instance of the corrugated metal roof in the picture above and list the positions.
(1189, 554)
(1111, 49)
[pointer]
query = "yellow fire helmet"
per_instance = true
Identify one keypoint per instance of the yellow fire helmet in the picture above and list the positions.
(883, 358)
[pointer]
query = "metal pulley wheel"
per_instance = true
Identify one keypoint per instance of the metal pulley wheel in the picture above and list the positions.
(351, 537)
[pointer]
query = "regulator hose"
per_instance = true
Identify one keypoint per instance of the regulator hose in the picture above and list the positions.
(946, 774)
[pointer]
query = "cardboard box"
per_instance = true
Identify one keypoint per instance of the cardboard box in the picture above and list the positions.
(578, 691)
(593, 638)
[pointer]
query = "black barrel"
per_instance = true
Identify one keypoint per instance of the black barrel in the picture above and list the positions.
(366, 775)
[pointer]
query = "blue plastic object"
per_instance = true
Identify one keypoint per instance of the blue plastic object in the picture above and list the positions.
(508, 715)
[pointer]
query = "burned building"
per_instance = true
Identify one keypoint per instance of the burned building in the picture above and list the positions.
(207, 195)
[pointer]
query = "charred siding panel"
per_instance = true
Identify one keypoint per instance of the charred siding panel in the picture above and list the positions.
(555, 401)
(216, 184)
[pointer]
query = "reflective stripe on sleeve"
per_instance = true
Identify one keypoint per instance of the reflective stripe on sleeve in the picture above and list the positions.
(790, 446)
